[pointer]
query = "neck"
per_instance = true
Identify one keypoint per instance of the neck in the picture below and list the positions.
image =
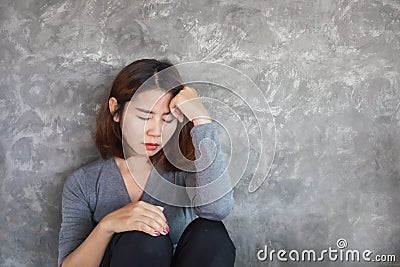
(140, 163)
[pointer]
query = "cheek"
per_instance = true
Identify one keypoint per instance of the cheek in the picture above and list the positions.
(134, 127)
(169, 130)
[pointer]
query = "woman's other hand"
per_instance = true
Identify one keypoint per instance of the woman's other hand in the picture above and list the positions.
(140, 216)
(187, 103)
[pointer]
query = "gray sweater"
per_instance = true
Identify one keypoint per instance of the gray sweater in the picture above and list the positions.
(96, 189)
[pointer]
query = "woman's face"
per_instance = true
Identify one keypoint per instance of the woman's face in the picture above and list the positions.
(147, 119)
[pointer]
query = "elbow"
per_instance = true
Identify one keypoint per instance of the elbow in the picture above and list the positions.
(222, 215)
(215, 216)
(213, 213)
(226, 211)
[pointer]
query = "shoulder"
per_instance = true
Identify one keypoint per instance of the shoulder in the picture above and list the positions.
(95, 167)
(80, 179)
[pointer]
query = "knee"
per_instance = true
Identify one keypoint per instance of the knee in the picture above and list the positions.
(211, 232)
(208, 242)
(207, 226)
(143, 244)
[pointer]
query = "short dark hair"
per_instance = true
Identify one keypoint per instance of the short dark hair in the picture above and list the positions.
(108, 136)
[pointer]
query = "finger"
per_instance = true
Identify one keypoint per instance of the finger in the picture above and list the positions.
(180, 116)
(158, 219)
(155, 210)
(144, 227)
(154, 218)
(172, 104)
(154, 223)
(161, 208)
(175, 112)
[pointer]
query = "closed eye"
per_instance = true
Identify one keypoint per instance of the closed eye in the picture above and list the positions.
(146, 119)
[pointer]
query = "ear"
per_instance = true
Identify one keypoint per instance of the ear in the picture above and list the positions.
(112, 105)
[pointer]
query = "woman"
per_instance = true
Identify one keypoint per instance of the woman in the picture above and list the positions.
(107, 217)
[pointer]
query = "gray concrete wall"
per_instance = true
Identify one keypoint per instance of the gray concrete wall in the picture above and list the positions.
(329, 69)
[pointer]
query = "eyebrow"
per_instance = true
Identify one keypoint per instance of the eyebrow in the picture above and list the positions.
(151, 112)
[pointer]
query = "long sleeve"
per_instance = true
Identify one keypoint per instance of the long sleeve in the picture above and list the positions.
(76, 222)
(210, 168)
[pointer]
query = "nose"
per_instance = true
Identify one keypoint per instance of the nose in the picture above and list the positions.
(154, 127)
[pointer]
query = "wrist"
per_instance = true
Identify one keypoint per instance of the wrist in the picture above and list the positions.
(201, 120)
(102, 226)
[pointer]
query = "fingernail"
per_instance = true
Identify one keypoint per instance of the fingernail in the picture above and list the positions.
(157, 233)
(167, 229)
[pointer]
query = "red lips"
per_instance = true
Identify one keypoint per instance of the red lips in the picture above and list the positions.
(151, 146)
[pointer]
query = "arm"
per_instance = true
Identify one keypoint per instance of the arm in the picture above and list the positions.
(79, 243)
(91, 251)
(220, 208)
(82, 244)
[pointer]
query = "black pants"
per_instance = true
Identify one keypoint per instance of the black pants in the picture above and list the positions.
(204, 243)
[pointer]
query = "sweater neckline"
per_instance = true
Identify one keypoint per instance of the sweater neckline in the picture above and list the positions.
(122, 182)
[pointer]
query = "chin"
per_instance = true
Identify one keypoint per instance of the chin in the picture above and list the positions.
(153, 152)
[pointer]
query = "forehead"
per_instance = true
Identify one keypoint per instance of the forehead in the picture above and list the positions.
(155, 99)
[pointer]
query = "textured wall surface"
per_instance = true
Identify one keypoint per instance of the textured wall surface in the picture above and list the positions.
(330, 72)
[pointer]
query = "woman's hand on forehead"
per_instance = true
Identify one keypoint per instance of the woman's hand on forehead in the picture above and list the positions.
(187, 103)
